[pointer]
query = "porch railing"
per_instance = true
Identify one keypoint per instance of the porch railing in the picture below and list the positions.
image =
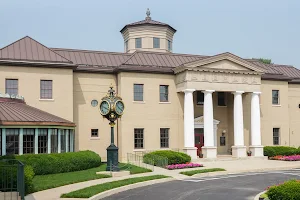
(12, 183)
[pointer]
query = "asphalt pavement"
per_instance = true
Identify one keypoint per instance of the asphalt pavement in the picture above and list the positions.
(243, 186)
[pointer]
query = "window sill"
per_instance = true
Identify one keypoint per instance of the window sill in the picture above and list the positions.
(134, 150)
(46, 99)
(162, 102)
(94, 138)
(274, 105)
(199, 105)
(222, 106)
(141, 102)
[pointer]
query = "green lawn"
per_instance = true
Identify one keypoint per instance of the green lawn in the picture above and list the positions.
(43, 182)
(199, 171)
(93, 190)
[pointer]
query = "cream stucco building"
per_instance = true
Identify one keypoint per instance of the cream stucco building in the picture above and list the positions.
(203, 105)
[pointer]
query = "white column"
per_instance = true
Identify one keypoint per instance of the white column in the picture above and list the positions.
(3, 141)
(256, 148)
(49, 140)
(209, 149)
(59, 141)
(239, 149)
(189, 136)
(21, 141)
(67, 140)
(36, 141)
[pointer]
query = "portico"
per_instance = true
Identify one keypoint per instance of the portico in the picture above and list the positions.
(222, 73)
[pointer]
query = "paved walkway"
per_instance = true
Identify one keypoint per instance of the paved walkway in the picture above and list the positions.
(229, 165)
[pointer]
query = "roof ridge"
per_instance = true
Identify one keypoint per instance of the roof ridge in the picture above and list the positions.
(89, 51)
(170, 54)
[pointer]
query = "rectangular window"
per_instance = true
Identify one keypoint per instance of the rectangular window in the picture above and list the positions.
(276, 136)
(12, 141)
(94, 132)
(63, 141)
(46, 89)
(221, 99)
(138, 42)
(200, 98)
(11, 86)
(164, 93)
(126, 46)
(54, 141)
(42, 140)
(138, 92)
(222, 141)
(72, 141)
(0, 142)
(138, 138)
(169, 45)
(28, 140)
(275, 97)
(164, 138)
(156, 43)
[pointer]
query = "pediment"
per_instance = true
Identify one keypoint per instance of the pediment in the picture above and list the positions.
(225, 62)
(200, 120)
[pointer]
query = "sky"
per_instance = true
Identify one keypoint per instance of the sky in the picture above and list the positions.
(249, 29)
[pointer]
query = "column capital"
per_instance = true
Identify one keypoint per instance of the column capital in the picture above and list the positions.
(238, 92)
(257, 93)
(207, 91)
(189, 90)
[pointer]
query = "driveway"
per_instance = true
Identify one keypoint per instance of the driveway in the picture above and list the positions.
(224, 187)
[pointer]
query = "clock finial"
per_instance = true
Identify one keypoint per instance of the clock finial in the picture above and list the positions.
(148, 14)
(111, 91)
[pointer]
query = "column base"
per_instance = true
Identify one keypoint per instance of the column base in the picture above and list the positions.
(257, 151)
(239, 151)
(191, 151)
(209, 152)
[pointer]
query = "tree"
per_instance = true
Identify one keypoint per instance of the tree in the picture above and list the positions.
(264, 60)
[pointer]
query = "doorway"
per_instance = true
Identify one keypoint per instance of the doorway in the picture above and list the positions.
(199, 139)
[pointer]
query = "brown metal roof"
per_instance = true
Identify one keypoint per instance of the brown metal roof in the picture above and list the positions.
(147, 21)
(28, 49)
(17, 112)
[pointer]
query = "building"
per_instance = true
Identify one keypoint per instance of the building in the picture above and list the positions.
(203, 105)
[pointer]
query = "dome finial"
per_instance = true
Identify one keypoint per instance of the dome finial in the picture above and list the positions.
(148, 14)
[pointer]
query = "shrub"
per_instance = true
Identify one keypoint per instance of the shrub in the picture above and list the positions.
(28, 176)
(172, 156)
(286, 191)
(60, 162)
(271, 151)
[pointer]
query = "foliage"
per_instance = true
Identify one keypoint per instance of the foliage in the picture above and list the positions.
(286, 158)
(272, 151)
(60, 162)
(172, 156)
(264, 60)
(286, 191)
(43, 182)
(182, 166)
(28, 176)
(93, 190)
(199, 171)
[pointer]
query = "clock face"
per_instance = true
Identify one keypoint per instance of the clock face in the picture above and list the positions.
(104, 108)
(119, 107)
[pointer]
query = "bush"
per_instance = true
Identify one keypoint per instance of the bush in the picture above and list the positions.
(60, 162)
(28, 176)
(271, 151)
(286, 191)
(172, 156)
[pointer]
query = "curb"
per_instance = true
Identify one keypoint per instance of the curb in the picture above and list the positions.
(258, 195)
(128, 187)
(241, 171)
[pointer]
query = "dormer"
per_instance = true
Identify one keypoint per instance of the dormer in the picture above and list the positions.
(148, 35)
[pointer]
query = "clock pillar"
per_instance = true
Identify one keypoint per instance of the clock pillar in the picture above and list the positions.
(112, 152)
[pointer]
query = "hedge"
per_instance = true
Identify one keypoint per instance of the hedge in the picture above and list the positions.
(172, 156)
(286, 191)
(43, 164)
(271, 151)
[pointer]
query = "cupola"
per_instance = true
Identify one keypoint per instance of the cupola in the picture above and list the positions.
(148, 35)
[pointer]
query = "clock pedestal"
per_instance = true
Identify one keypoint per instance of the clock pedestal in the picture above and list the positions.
(112, 152)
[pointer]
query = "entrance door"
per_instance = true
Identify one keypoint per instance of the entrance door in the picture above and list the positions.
(199, 139)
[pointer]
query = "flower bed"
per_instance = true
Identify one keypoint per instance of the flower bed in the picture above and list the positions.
(183, 166)
(286, 158)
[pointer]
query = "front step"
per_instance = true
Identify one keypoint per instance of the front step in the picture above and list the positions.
(9, 196)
